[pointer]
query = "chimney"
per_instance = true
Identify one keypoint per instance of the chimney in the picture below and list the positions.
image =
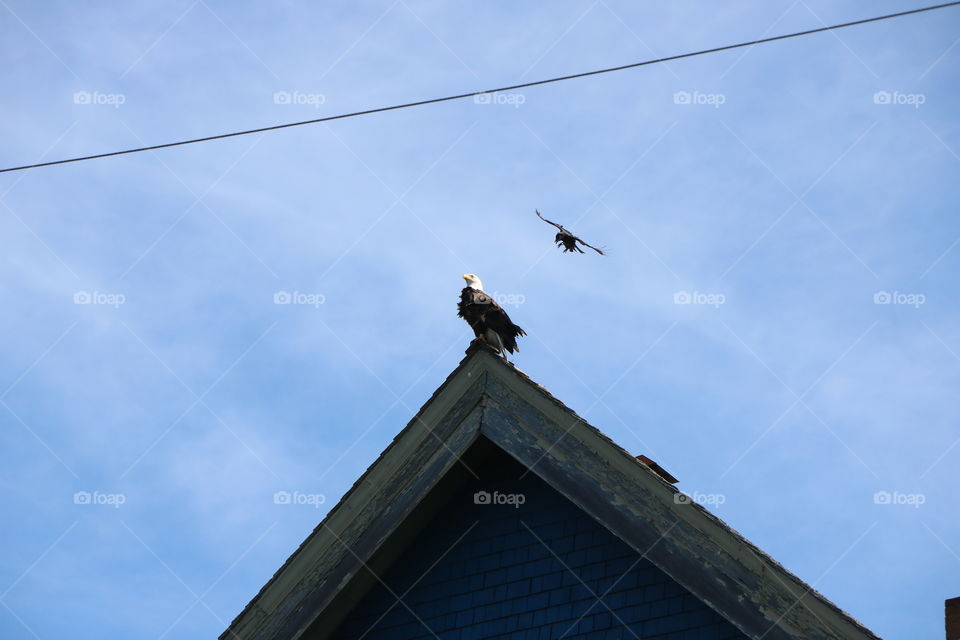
(952, 613)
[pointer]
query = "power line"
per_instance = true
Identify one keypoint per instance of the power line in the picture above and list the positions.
(460, 96)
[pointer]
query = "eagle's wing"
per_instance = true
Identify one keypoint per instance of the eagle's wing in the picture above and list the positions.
(473, 307)
(473, 303)
(591, 246)
(558, 226)
(482, 313)
(575, 238)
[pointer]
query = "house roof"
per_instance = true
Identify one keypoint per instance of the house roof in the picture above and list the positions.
(487, 399)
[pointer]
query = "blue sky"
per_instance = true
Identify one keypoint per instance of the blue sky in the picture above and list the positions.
(801, 195)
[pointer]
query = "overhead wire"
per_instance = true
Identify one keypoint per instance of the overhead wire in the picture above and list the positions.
(461, 96)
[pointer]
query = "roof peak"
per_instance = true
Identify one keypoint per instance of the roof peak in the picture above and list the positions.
(488, 399)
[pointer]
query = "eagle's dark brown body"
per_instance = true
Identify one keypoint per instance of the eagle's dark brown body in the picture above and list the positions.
(488, 320)
(568, 241)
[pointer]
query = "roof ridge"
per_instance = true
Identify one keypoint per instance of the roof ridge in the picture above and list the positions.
(507, 401)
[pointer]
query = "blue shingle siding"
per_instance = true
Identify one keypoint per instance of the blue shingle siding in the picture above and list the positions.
(541, 571)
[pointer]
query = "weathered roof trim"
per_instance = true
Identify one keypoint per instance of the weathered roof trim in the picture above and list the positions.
(485, 396)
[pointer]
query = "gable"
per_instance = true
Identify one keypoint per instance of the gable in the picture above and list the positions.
(508, 556)
(487, 398)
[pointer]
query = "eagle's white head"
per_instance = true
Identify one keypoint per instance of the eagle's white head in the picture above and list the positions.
(473, 281)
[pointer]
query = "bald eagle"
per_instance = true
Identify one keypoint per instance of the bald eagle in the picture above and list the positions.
(488, 320)
(567, 240)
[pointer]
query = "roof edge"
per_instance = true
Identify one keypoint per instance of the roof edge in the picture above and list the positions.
(252, 619)
(487, 395)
